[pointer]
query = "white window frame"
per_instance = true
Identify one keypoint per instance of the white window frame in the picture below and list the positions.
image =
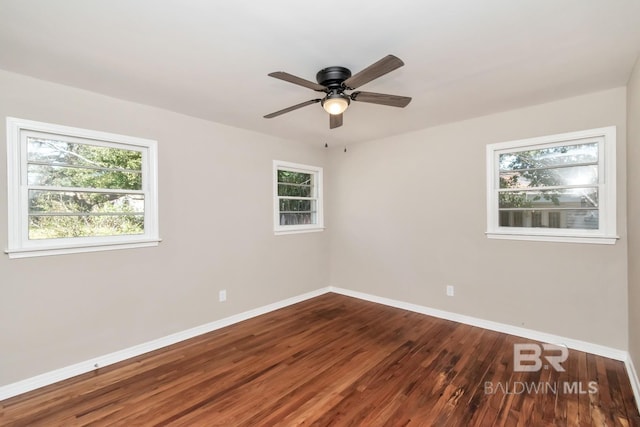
(318, 181)
(605, 234)
(19, 245)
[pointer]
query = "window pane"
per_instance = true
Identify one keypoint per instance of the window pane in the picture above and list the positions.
(294, 177)
(295, 184)
(61, 176)
(549, 157)
(295, 212)
(70, 202)
(67, 153)
(575, 175)
(560, 198)
(294, 190)
(289, 205)
(297, 218)
(53, 227)
(584, 219)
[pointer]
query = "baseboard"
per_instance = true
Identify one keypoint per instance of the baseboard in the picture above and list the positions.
(600, 350)
(633, 377)
(587, 347)
(51, 377)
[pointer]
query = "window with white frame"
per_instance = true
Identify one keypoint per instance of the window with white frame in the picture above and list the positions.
(297, 198)
(554, 188)
(76, 190)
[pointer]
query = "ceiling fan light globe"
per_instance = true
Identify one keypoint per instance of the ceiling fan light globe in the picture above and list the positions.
(335, 105)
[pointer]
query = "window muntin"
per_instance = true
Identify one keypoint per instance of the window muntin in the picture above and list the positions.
(73, 190)
(298, 197)
(561, 187)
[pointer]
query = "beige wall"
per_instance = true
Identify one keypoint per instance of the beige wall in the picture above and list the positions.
(633, 181)
(215, 221)
(409, 216)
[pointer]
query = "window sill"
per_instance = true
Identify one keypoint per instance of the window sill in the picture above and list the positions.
(298, 231)
(52, 250)
(598, 240)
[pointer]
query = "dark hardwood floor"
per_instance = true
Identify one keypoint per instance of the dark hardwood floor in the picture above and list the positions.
(335, 360)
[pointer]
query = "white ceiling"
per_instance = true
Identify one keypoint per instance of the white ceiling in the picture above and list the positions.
(210, 59)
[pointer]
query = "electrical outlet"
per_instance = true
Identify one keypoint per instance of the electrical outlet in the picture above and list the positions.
(222, 295)
(449, 290)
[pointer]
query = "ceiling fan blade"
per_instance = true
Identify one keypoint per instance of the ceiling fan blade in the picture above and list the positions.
(297, 80)
(381, 98)
(373, 71)
(293, 107)
(335, 121)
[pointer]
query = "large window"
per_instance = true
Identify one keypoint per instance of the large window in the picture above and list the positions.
(73, 190)
(297, 198)
(555, 188)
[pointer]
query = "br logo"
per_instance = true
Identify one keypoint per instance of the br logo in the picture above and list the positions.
(528, 357)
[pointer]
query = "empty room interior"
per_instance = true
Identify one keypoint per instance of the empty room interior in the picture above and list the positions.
(340, 213)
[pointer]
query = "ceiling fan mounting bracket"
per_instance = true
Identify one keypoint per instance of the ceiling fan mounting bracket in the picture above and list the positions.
(332, 77)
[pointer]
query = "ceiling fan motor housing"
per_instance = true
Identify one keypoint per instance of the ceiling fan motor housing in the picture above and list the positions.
(332, 77)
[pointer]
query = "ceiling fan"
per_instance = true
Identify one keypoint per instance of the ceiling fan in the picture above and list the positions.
(334, 81)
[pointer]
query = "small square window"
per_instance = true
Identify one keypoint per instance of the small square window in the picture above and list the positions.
(297, 198)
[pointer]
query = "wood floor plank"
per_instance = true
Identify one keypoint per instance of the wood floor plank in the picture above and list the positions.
(333, 361)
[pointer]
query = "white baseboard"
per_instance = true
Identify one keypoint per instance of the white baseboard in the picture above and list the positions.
(633, 377)
(51, 377)
(600, 350)
(587, 347)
